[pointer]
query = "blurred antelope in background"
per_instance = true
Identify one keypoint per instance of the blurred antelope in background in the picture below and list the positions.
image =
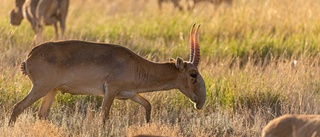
(108, 70)
(175, 4)
(40, 13)
(291, 125)
(192, 3)
(213, 2)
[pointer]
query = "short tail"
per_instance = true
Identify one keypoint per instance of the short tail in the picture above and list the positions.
(23, 68)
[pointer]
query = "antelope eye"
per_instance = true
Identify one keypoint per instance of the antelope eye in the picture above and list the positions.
(193, 75)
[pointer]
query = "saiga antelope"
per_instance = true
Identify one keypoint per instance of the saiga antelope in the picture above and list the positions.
(176, 3)
(213, 2)
(291, 125)
(108, 70)
(40, 13)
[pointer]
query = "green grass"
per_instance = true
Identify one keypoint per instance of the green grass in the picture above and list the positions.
(247, 51)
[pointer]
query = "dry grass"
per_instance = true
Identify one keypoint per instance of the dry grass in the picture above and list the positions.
(247, 54)
(154, 129)
(29, 127)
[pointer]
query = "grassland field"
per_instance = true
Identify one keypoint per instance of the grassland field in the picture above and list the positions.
(248, 55)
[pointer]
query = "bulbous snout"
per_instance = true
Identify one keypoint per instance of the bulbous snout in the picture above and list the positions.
(199, 105)
(201, 99)
(196, 94)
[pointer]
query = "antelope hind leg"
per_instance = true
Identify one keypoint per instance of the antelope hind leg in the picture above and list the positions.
(35, 94)
(145, 103)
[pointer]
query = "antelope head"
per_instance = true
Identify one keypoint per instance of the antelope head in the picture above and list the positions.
(190, 80)
(16, 14)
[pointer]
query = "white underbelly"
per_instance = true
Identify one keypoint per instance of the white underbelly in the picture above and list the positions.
(125, 94)
(81, 90)
(92, 88)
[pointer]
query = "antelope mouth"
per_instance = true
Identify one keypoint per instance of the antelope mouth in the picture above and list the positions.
(198, 106)
(199, 103)
(193, 99)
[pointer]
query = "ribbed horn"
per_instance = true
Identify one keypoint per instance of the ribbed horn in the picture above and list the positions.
(196, 59)
(192, 43)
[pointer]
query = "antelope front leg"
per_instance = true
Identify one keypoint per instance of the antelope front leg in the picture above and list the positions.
(55, 25)
(145, 103)
(38, 36)
(108, 98)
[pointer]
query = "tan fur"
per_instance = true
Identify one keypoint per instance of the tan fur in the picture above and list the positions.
(291, 125)
(112, 71)
(40, 13)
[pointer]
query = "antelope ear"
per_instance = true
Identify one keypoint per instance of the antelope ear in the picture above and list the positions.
(172, 60)
(179, 64)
